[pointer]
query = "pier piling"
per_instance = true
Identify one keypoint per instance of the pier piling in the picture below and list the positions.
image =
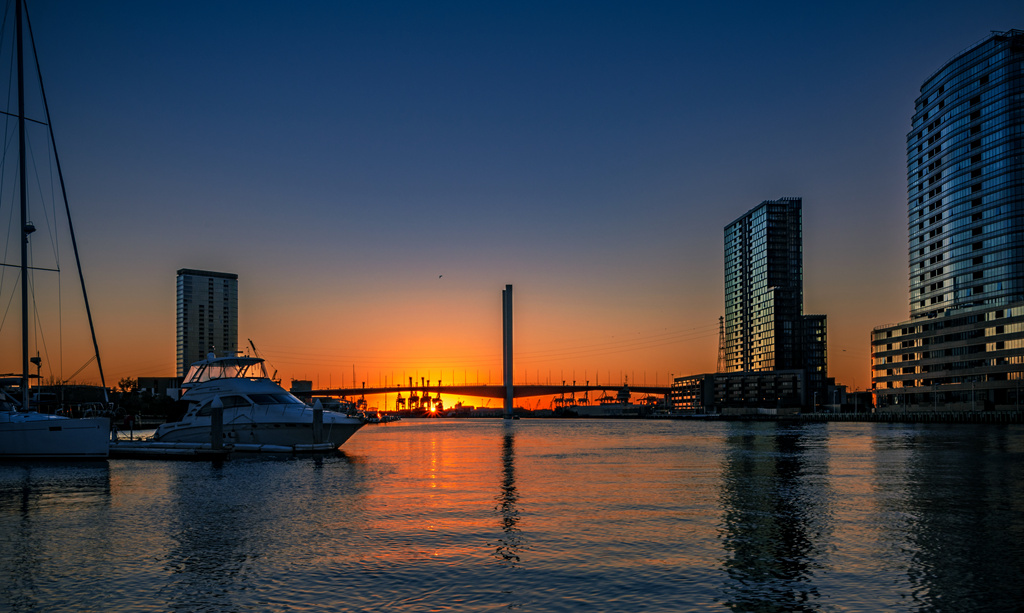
(217, 427)
(318, 426)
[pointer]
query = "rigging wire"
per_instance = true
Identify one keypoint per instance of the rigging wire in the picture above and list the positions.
(38, 159)
(41, 336)
(67, 207)
(50, 223)
(75, 374)
(8, 139)
(10, 303)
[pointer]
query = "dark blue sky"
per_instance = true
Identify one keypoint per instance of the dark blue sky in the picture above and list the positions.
(341, 156)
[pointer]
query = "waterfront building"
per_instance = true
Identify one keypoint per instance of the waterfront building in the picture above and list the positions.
(207, 315)
(301, 386)
(963, 346)
(160, 386)
(775, 392)
(692, 393)
(772, 392)
(765, 328)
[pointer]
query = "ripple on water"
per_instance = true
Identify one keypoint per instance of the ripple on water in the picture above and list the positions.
(537, 516)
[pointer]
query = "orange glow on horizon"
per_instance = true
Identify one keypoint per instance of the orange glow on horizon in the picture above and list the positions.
(447, 339)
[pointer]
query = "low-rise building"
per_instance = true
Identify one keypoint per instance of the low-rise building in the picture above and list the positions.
(774, 391)
(161, 386)
(963, 360)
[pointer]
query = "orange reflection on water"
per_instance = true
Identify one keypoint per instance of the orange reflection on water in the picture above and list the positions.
(440, 485)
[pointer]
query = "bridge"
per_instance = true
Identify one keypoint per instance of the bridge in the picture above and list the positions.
(506, 391)
(484, 391)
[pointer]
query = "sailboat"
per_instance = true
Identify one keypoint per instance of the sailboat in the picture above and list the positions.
(25, 433)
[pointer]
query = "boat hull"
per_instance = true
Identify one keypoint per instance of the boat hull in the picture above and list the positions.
(262, 433)
(55, 439)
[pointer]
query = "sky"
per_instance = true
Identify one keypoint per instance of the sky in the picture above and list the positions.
(377, 172)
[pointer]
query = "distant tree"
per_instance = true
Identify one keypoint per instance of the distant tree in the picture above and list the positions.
(127, 385)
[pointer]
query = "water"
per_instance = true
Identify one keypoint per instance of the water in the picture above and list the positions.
(536, 515)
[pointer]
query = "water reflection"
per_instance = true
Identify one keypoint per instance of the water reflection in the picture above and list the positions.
(52, 486)
(236, 527)
(774, 512)
(48, 518)
(209, 531)
(543, 515)
(508, 547)
(957, 515)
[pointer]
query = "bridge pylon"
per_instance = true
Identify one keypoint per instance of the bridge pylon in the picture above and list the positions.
(506, 336)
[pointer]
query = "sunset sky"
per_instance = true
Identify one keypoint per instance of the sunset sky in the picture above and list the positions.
(376, 172)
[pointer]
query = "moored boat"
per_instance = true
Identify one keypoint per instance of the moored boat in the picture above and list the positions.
(252, 409)
(25, 433)
(29, 435)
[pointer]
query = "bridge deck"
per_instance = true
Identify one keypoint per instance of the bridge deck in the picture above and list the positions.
(486, 391)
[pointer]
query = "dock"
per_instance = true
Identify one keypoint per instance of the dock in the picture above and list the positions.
(156, 450)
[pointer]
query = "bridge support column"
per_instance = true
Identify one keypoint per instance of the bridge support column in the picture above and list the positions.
(506, 338)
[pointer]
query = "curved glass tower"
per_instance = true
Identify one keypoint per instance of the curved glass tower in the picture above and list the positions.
(965, 174)
(963, 348)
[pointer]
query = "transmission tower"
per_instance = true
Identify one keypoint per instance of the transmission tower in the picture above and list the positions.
(721, 344)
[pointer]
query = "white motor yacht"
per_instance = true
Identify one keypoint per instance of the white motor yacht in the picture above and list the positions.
(255, 409)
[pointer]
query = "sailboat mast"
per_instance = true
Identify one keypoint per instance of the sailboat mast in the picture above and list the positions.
(67, 208)
(24, 207)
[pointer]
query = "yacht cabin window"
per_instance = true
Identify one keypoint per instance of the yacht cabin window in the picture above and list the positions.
(280, 398)
(234, 402)
(238, 368)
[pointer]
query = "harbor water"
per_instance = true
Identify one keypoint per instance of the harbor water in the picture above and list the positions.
(536, 515)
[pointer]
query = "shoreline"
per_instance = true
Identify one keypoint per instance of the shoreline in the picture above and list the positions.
(911, 417)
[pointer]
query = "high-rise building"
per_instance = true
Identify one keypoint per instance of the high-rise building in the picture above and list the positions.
(765, 328)
(775, 357)
(207, 315)
(964, 343)
(763, 286)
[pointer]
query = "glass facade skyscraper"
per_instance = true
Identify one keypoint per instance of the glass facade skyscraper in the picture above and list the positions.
(765, 328)
(964, 179)
(963, 344)
(775, 357)
(207, 315)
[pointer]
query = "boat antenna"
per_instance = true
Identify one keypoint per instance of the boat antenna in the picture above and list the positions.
(60, 175)
(257, 353)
